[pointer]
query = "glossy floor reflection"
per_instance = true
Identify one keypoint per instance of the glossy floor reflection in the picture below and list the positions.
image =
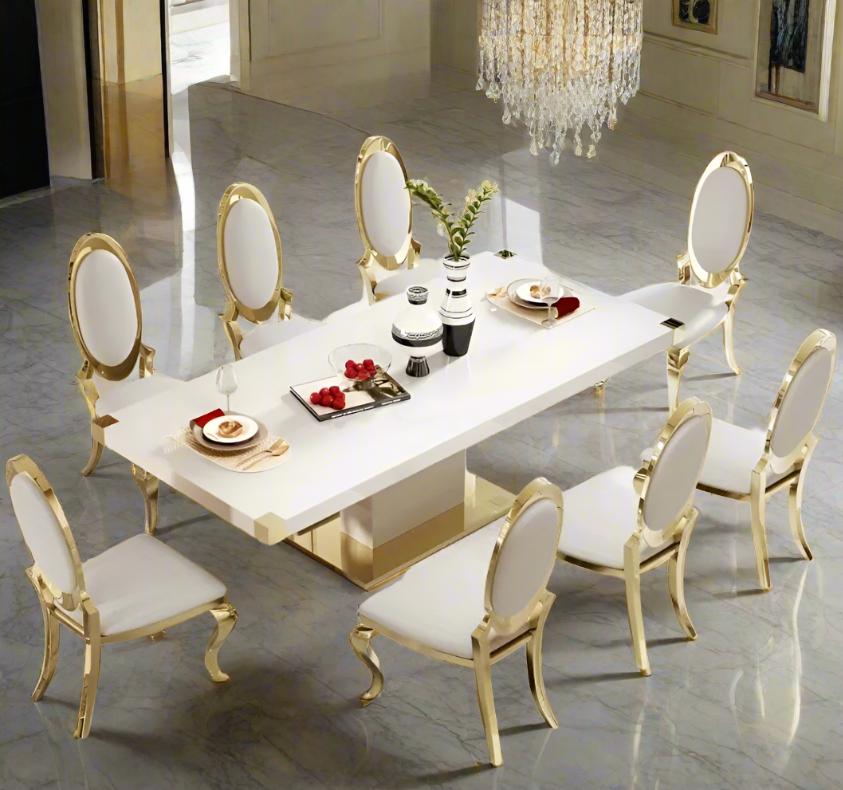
(754, 703)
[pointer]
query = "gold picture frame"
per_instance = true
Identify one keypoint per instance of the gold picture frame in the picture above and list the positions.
(699, 15)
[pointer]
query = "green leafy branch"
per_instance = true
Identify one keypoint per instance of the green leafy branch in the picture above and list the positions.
(457, 229)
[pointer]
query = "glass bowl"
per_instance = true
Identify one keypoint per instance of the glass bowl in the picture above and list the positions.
(358, 352)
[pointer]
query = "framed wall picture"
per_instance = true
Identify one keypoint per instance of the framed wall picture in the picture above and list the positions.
(696, 15)
(793, 58)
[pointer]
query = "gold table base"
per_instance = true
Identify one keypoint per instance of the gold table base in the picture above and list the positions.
(369, 567)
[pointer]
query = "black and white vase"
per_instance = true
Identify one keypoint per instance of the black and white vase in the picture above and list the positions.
(417, 331)
(456, 310)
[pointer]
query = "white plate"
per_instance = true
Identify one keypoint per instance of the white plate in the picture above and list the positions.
(523, 293)
(262, 433)
(211, 429)
(512, 293)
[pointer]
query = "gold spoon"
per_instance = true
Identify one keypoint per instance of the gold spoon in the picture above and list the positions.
(278, 447)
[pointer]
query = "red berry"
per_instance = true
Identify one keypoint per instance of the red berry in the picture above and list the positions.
(324, 391)
(327, 399)
(335, 390)
(350, 373)
(364, 375)
(351, 364)
(369, 364)
(339, 403)
(315, 398)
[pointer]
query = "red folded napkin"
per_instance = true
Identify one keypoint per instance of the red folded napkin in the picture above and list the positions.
(206, 418)
(566, 305)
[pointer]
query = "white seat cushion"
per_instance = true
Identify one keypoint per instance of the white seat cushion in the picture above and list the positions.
(600, 516)
(270, 334)
(142, 581)
(733, 452)
(116, 395)
(439, 601)
(397, 284)
(700, 309)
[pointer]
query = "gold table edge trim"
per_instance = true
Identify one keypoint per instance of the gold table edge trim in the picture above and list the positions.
(369, 568)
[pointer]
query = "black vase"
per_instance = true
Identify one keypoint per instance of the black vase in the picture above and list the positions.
(456, 310)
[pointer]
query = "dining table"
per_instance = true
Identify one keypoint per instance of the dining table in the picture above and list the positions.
(371, 493)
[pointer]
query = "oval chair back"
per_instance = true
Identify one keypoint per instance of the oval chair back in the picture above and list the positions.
(721, 218)
(249, 252)
(45, 530)
(524, 555)
(105, 308)
(802, 395)
(383, 204)
(667, 482)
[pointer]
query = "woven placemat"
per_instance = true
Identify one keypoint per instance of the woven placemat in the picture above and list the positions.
(537, 316)
(252, 459)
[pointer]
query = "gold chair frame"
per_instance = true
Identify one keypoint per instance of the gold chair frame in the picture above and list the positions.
(373, 266)
(679, 532)
(281, 299)
(795, 464)
(50, 598)
(534, 615)
(687, 264)
(141, 355)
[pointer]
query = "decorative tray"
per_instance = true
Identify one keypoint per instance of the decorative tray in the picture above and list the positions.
(384, 391)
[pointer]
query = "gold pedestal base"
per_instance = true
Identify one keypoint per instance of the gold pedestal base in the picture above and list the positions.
(369, 567)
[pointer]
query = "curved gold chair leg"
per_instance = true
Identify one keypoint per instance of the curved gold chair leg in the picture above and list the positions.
(52, 635)
(729, 342)
(677, 358)
(797, 526)
(361, 642)
(157, 637)
(534, 666)
(632, 581)
(148, 485)
(758, 505)
(676, 580)
(486, 700)
(600, 386)
(90, 680)
(94, 458)
(226, 617)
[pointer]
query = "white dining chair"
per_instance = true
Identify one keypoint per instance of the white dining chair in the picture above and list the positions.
(709, 279)
(475, 602)
(390, 261)
(107, 322)
(750, 465)
(623, 523)
(138, 588)
(251, 270)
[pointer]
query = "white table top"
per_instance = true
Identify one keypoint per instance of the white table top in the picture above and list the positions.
(513, 370)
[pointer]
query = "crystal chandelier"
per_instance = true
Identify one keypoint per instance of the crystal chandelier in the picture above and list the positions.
(559, 65)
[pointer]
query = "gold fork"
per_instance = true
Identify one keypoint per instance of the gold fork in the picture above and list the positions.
(278, 447)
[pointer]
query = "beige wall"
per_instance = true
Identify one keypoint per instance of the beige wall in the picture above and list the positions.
(62, 46)
(314, 54)
(697, 98)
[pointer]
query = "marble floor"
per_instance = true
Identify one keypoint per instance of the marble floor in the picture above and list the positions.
(754, 703)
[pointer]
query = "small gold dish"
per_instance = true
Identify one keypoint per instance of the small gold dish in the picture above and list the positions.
(229, 429)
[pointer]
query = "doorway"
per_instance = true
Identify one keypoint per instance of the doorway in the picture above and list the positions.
(200, 42)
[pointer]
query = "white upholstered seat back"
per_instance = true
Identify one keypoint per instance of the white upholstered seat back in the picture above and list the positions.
(526, 557)
(105, 307)
(676, 473)
(385, 203)
(802, 403)
(42, 532)
(251, 254)
(718, 222)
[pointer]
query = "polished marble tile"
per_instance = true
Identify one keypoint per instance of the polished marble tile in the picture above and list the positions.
(754, 702)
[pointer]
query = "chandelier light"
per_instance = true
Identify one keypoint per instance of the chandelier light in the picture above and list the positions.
(559, 65)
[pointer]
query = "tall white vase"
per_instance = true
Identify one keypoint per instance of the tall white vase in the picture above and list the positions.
(456, 310)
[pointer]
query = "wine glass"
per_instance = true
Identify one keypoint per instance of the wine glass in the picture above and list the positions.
(550, 290)
(227, 383)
